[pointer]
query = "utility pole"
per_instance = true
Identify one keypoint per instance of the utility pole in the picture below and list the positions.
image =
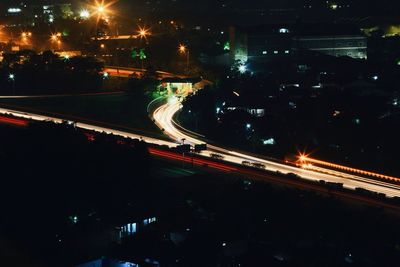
(183, 154)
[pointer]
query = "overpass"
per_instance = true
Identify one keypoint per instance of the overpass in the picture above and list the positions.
(125, 72)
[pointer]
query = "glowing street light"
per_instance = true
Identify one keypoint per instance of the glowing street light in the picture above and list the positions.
(143, 32)
(11, 77)
(84, 14)
(25, 36)
(303, 157)
(184, 50)
(101, 9)
(242, 69)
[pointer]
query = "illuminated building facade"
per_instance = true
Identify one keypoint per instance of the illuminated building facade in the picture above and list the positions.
(354, 46)
(28, 14)
(272, 42)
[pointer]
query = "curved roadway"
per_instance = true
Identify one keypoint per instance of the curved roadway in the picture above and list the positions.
(163, 117)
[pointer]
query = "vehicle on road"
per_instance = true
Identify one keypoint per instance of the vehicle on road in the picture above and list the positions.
(258, 165)
(246, 163)
(216, 156)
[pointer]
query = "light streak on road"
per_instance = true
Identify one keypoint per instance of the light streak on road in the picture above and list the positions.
(163, 118)
(14, 121)
(164, 115)
(306, 159)
(85, 126)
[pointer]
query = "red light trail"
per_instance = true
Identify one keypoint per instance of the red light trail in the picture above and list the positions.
(191, 159)
(14, 121)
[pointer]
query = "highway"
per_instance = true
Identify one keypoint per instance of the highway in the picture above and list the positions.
(163, 117)
(125, 72)
(85, 126)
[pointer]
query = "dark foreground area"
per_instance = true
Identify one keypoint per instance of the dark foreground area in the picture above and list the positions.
(69, 197)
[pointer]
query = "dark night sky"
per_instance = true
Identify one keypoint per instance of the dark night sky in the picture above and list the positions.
(389, 7)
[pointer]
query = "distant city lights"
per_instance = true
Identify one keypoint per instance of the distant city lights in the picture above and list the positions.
(84, 14)
(143, 32)
(242, 69)
(182, 48)
(14, 10)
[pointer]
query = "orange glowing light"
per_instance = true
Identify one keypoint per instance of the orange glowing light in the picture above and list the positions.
(143, 32)
(348, 169)
(182, 48)
(303, 158)
(102, 8)
(14, 121)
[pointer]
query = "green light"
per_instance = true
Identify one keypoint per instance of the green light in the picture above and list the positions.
(227, 46)
(398, 62)
(134, 54)
(74, 219)
(142, 55)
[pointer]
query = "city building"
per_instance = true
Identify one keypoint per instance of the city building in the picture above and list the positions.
(29, 14)
(331, 39)
(270, 42)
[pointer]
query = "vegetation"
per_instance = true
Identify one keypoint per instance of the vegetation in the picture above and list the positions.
(29, 73)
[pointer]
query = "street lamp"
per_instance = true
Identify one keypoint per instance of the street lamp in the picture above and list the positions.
(54, 37)
(11, 77)
(184, 50)
(25, 36)
(143, 32)
(101, 9)
(84, 14)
